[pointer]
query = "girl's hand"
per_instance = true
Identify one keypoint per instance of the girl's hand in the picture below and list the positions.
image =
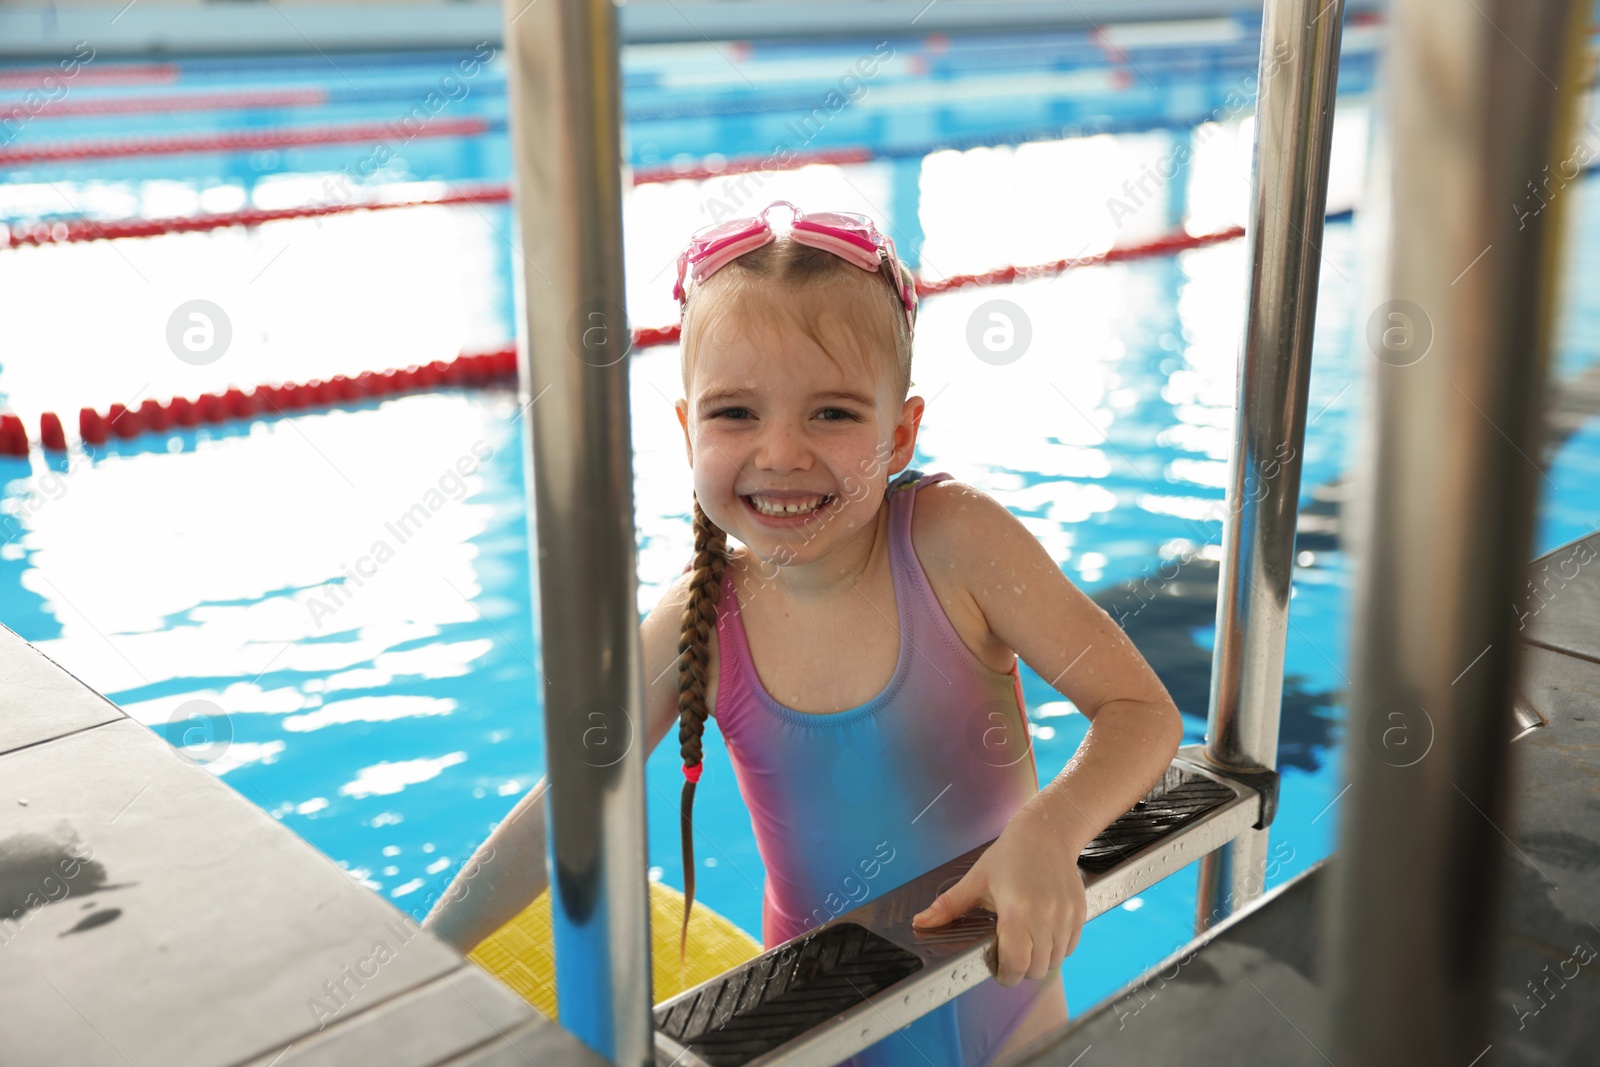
(1029, 878)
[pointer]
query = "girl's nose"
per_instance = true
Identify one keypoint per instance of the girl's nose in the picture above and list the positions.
(782, 449)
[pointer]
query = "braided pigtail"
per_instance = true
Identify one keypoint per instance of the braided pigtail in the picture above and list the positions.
(699, 616)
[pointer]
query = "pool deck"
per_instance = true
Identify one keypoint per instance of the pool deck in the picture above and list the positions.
(151, 915)
(1250, 992)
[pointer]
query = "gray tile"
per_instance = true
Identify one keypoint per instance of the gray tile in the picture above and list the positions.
(1559, 607)
(1545, 1006)
(187, 928)
(1563, 688)
(39, 700)
(1202, 1011)
(1555, 869)
(1212, 1006)
(540, 1043)
(447, 1017)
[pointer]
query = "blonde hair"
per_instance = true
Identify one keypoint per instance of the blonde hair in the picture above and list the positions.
(866, 325)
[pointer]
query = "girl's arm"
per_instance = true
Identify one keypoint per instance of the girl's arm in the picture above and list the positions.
(502, 877)
(1031, 606)
(1030, 877)
(509, 869)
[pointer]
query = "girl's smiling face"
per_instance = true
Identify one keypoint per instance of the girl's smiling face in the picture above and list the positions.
(794, 420)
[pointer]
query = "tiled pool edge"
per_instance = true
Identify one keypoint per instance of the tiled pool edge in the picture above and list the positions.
(164, 918)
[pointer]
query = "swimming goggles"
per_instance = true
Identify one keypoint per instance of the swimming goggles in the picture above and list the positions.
(849, 236)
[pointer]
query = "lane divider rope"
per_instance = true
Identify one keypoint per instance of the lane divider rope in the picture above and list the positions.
(77, 230)
(241, 140)
(115, 74)
(231, 100)
(466, 370)
(179, 413)
(71, 231)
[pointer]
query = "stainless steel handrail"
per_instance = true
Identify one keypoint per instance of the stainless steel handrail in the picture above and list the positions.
(566, 143)
(1478, 98)
(1297, 83)
(566, 138)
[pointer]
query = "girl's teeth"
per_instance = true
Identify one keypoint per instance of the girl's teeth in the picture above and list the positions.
(801, 508)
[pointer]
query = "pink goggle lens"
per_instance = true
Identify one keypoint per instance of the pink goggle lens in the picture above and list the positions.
(718, 230)
(841, 220)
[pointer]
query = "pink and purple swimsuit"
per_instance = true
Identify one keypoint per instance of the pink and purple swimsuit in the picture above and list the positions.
(850, 804)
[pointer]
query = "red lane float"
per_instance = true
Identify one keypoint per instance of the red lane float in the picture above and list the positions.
(65, 232)
(51, 436)
(237, 141)
(290, 137)
(135, 105)
(1167, 244)
(152, 416)
(124, 423)
(116, 74)
(650, 336)
(702, 169)
(69, 231)
(13, 437)
(91, 428)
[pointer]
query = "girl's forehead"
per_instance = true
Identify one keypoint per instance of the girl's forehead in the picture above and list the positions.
(770, 352)
(746, 346)
(790, 368)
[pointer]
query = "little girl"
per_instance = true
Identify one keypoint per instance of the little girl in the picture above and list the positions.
(859, 649)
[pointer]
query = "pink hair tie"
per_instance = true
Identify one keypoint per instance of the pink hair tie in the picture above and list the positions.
(693, 773)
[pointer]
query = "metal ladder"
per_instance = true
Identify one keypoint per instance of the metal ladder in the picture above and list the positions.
(864, 974)
(1446, 528)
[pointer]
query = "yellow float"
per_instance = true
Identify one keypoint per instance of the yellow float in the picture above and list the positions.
(519, 953)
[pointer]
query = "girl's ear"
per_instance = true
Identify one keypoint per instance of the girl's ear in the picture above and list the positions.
(682, 408)
(905, 432)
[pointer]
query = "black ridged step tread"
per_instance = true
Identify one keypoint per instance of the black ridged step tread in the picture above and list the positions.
(1181, 797)
(783, 993)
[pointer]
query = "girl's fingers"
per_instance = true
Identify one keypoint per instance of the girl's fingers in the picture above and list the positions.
(953, 902)
(1043, 953)
(1059, 955)
(1072, 944)
(1015, 953)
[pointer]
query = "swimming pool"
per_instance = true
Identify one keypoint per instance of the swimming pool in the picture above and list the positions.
(392, 718)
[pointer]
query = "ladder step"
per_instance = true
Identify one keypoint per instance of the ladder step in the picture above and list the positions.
(1189, 798)
(805, 983)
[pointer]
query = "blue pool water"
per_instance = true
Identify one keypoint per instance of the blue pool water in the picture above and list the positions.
(394, 722)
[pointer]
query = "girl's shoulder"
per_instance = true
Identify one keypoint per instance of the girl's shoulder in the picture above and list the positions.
(960, 534)
(966, 538)
(957, 524)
